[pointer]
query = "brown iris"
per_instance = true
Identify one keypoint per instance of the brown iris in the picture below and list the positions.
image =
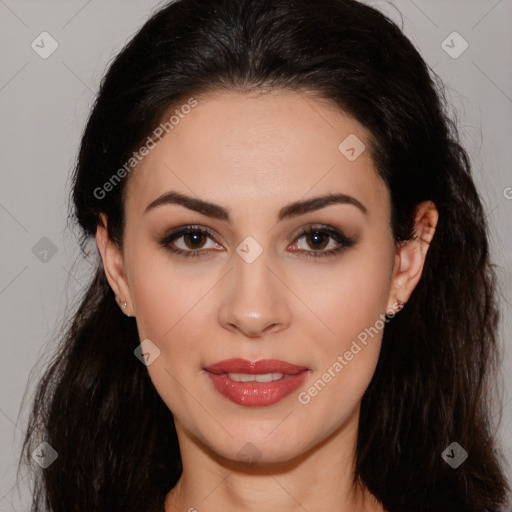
(196, 239)
(317, 240)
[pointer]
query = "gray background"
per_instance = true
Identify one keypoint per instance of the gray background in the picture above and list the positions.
(43, 108)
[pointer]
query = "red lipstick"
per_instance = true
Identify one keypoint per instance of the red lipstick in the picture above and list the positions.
(264, 382)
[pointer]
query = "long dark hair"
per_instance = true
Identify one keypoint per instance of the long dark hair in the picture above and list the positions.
(96, 406)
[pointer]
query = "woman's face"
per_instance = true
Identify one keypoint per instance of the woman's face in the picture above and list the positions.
(253, 287)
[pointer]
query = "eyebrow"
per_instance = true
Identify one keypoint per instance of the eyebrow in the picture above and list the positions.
(218, 212)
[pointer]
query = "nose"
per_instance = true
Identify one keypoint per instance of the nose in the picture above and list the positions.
(255, 301)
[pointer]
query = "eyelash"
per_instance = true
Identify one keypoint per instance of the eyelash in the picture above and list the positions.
(340, 238)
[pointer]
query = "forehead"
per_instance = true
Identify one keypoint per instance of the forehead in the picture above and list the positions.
(241, 149)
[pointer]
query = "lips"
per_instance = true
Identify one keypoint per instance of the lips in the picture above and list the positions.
(262, 366)
(261, 383)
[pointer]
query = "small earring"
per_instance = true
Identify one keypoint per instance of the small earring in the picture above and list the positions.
(123, 304)
(400, 305)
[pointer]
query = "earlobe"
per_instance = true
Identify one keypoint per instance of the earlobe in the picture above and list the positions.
(113, 265)
(411, 254)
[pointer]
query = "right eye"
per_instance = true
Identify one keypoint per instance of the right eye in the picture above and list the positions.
(191, 241)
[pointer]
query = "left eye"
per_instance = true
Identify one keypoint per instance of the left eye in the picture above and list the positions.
(317, 239)
(320, 238)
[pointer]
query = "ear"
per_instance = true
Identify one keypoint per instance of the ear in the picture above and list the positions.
(411, 254)
(113, 265)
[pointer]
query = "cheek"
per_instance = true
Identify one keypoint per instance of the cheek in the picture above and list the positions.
(169, 310)
(167, 306)
(163, 292)
(349, 307)
(350, 297)
(170, 316)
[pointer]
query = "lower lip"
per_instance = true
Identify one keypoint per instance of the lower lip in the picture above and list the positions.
(257, 394)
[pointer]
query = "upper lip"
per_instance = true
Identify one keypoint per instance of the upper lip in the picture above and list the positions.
(258, 367)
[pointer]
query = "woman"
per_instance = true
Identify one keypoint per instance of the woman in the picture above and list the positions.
(294, 306)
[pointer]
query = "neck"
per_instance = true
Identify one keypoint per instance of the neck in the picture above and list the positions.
(319, 479)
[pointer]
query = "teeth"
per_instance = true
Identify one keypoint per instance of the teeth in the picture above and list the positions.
(260, 377)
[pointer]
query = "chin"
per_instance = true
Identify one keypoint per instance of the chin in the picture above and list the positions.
(259, 448)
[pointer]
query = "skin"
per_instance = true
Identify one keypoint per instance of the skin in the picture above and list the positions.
(254, 154)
